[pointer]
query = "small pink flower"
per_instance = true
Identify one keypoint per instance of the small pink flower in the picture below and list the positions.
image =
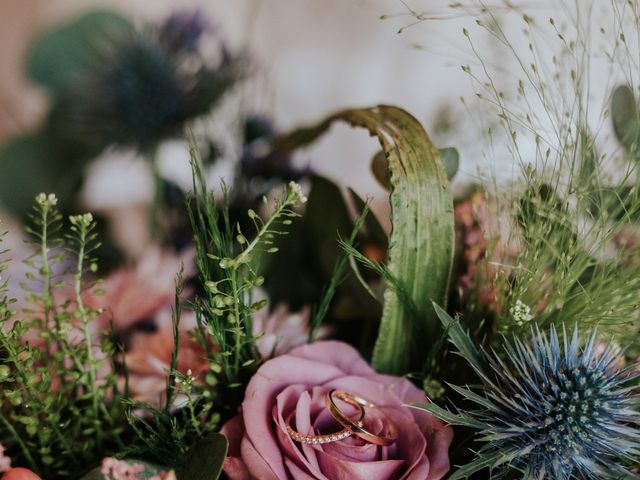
(165, 476)
(260, 447)
(5, 461)
(483, 242)
(114, 469)
(281, 330)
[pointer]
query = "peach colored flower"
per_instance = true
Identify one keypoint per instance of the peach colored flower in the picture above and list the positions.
(134, 294)
(148, 358)
(137, 302)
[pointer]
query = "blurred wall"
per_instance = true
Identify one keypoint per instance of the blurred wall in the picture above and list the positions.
(312, 57)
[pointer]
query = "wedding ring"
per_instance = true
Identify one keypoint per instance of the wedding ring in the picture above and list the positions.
(355, 428)
(327, 438)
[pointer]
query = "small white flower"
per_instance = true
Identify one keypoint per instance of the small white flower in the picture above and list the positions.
(296, 189)
(521, 313)
(85, 219)
(47, 200)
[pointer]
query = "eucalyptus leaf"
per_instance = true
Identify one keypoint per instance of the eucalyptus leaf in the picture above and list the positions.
(451, 160)
(380, 169)
(626, 118)
(206, 458)
(64, 52)
(422, 240)
(461, 340)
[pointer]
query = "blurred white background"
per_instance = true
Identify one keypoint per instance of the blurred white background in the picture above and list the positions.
(313, 57)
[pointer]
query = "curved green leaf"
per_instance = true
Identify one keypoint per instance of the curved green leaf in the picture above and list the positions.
(380, 165)
(422, 240)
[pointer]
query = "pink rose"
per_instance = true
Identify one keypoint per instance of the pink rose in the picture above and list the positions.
(260, 448)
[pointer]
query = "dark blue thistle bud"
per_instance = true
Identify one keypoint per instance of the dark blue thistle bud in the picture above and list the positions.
(182, 30)
(258, 161)
(548, 408)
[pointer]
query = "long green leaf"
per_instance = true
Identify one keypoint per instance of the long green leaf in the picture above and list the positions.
(448, 417)
(457, 336)
(487, 460)
(422, 240)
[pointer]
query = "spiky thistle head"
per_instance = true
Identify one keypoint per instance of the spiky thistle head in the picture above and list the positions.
(141, 87)
(550, 408)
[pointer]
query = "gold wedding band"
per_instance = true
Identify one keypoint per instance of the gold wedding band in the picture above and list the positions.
(327, 438)
(357, 428)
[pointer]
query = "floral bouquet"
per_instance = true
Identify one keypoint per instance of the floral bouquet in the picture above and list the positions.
(274, 329)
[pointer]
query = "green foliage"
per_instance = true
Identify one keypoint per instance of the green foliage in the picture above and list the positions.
(380, 165)
(421, 244)
(60, 411)
(206, 458)
(165, 435)
(569, 255)
(227, 265)
(310, 257)
(338, 275)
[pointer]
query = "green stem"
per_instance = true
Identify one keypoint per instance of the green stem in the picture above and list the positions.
(238, 327)
(158, 194)
(175, 321)
(47, 298)
(238, 262)
(82, 229)
(25, 450)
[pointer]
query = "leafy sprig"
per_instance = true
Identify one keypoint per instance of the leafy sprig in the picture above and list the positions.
(59, 412)
(228, 261)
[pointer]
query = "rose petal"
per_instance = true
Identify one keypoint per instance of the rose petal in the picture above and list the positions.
(337, 469)
(337, 354)
(258, 467)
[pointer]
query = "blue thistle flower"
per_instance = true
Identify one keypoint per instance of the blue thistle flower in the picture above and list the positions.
(549, 408)
(141, 87)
